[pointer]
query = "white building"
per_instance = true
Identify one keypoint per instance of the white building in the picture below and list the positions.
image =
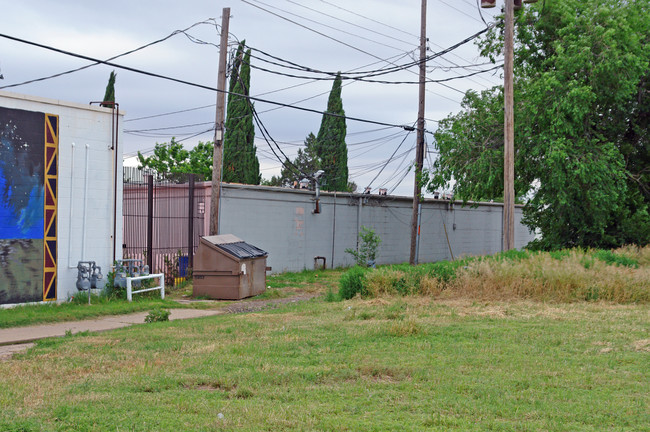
(60, 195)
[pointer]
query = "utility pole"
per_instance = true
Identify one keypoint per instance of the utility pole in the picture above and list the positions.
(217, 155)
(509, 133)
(419, 152)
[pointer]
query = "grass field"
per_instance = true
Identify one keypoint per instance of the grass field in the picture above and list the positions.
(515, 342)
(280, 285)
(393, 363)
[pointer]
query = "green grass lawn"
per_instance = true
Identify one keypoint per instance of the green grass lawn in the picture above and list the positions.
(78, 310)
(280, 285)
(361, 365)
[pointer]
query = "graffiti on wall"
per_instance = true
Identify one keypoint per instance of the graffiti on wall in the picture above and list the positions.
(28, 193)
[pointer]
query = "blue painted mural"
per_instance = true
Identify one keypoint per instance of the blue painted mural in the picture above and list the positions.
(22, 205)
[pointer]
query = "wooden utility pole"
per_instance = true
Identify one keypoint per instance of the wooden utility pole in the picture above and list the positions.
(217, 156)
(509, 133)
(419, 152)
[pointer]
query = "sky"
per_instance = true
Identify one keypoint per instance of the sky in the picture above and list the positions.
(327, 35)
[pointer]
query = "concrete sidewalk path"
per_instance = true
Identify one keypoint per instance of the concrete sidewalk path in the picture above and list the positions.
(22, 335)
(19, 339)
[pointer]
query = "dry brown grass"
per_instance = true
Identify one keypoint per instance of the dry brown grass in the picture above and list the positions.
(641, 255)
(382, 282)
(575, 276)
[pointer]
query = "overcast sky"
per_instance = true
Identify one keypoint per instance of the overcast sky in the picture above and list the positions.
(359, 35)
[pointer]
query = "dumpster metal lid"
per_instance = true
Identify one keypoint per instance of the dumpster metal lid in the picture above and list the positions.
(235, 246)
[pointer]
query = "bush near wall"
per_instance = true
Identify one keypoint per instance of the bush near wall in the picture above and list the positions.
(569, 275)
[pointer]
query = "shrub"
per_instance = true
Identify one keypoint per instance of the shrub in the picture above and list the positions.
(331, 297)
(157, 315)
(368, 247)
(352, 282)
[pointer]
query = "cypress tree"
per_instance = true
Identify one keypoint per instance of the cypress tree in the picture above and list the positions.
(240, 163)
(109, 95)
(330, 142)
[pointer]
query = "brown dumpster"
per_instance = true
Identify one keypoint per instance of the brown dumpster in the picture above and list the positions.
(228, 268)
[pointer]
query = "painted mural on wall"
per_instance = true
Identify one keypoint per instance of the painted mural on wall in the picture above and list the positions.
(28, 175)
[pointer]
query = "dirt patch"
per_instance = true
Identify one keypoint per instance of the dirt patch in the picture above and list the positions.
(642, 345)
(258, 305)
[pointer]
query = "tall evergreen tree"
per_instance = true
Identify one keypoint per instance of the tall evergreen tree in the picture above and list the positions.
(330, 142)
(240, 163)
(109, 95)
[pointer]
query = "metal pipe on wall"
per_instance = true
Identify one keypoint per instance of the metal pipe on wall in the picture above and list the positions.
(333, 230)
(71, 209)
(116, 116)
(83, 226)
(359, 220)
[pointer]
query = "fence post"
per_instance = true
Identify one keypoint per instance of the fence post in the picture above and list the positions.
(150, 223)
(190, 224)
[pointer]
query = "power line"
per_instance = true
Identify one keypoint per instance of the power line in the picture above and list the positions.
(390, 158)
(370, 73)
(312, 30)
(350, 23)
(364, 79)
(461, 11)
(370, 19)
(167, 127)
(201, 86)
(327, 26)
(169, 113)
(350, 46)
(174, 33)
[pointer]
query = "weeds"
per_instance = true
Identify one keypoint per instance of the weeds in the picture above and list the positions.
(352, 283)
(617, 259)
(369, 243)
(157, 315)
(619, 276)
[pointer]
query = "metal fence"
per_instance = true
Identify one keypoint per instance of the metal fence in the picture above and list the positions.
(163, 220)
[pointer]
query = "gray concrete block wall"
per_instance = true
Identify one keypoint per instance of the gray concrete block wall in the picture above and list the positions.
(282, 222)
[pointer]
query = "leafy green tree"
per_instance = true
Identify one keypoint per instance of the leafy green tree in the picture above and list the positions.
(240, 163)
(109, 94)
(582, 107)
(303, 166)
(172, 158)
(330, 147)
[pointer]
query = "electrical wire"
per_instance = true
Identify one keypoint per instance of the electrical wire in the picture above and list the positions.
(169, 113)
(351, 46)
(362, 79)
(390, 158)
(326, 25)
(461, 11)
(201, 86)
(371, 73)
(349, 22)
(370, 19)
(312, 30)
(167, 127)
(174, 33)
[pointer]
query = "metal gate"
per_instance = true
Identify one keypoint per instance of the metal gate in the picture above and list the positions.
(162, 221)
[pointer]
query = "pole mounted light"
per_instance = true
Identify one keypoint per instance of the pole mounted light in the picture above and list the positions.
(509, 121)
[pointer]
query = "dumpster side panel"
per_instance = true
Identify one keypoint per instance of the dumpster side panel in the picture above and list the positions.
(258, 276)
(216, 286)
